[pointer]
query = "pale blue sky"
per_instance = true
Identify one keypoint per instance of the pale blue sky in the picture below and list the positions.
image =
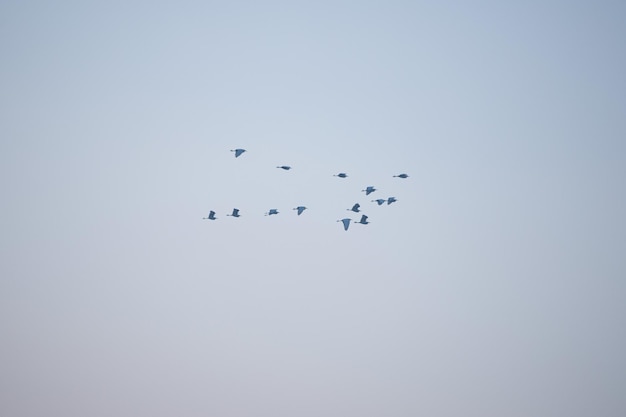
(495, 286)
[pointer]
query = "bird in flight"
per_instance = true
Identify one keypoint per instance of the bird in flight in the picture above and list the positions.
(340, 175)
(272, 211)
(369, 190)
(211, 216)
(235, 213)
(300, 209)
(285, 167)
(363, 220)
(355, 208)
(346, 223)
(380, 201)
(391, 200)
(401, 176)
(238, 152)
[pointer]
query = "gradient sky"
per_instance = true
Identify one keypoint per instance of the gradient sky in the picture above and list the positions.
(495, 286)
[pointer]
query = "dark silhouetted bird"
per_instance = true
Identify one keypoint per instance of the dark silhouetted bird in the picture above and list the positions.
(235, 213)
(272, 211)
(211, 216)
(300, 209)
(238, 152)
(340, 175)
(369, 190)
(391, 200)
(346, 223)
(380, 201)
(285, 167)
(401, 176)
(363, 220)
(355, 208)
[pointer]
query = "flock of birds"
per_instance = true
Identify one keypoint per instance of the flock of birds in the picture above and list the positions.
(356, 208)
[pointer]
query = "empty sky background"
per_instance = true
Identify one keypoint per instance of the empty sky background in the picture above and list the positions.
(495, 286)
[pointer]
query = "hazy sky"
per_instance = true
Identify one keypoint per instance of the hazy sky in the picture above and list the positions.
(495, 286)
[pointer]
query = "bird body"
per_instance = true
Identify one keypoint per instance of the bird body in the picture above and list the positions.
(363, 220)
(272, 211)
(341, 175)
(300, 209)
(401, 176)
(211, 216)
(238, 152)
(355, 208)
(391, 200)
(370, 189)
(285, 167)
(346, 223)
(380, 201)
(235, 213)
